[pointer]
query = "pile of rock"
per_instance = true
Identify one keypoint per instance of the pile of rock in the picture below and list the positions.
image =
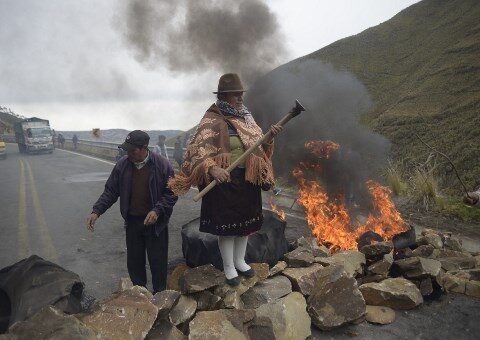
(312, 286)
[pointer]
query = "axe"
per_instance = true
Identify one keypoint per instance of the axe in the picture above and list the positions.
(295, 111)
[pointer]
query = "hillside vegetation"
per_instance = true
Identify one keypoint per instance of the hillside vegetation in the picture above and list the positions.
(422, 70)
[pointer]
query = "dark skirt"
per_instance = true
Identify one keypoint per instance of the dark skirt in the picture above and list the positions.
(233, 208)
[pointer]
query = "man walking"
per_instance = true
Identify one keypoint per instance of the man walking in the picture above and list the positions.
(146, 204)
(75, 141)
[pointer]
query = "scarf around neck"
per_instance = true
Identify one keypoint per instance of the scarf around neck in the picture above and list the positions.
(210, 145)
(229, 110)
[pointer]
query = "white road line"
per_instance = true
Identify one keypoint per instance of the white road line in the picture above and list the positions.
(86, 156)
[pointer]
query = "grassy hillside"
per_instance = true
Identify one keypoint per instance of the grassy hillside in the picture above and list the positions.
(422, 69)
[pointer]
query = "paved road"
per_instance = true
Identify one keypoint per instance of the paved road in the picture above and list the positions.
(44, 200)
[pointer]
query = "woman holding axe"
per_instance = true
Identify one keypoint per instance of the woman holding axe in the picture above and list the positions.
(232, 209)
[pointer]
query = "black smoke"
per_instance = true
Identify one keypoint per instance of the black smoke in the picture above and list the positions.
(334, 100)
(198, 36)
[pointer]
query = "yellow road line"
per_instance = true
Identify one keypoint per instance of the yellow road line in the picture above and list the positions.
(51, 252)
(23, 243)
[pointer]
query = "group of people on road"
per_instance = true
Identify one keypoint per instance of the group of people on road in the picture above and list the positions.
(148, 189)
(161, 149)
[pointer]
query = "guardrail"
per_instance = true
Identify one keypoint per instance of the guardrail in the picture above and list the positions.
(106, 149)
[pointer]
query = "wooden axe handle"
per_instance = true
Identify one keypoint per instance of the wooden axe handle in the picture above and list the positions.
(232, 166)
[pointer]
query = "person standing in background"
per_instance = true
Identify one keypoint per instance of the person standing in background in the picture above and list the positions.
(75, 141)
(160, 148)
(178, 152)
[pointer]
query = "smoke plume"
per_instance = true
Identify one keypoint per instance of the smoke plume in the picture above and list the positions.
(196, 36)
(334, 101)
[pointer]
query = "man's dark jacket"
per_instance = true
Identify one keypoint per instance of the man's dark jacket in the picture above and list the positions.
(119, 184)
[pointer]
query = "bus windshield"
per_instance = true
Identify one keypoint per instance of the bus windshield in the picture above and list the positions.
(39, 132)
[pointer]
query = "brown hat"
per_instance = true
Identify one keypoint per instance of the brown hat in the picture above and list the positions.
(230, 82)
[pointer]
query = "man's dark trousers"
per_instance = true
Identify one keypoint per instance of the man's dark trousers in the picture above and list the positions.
(139, 239)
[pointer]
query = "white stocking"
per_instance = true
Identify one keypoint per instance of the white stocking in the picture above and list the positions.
(239, 253)
(226, 244)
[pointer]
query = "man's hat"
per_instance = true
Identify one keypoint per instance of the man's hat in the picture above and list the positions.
(230, 82)
(135, 139)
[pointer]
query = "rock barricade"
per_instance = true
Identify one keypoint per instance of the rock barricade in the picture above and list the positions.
(329, 291)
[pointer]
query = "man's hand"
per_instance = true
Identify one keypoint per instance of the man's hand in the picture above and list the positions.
(91, 219)
(471, 199)
(275, 129)
(151, 218)
(219, 174)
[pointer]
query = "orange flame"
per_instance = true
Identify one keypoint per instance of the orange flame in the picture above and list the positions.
(320, 148)
(329, 218)
(281, 214)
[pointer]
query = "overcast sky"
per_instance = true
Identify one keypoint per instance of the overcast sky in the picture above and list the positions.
(69, 61)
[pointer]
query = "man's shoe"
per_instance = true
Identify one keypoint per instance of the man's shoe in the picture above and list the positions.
(233, 282)
(248, 273)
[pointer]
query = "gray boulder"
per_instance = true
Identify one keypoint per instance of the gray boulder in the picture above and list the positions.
(299, 257)
(457, 263)
(425, 250)
(396, 293)
(336, 303)
(380, 315)
(164, 301)
(183, 311)
(207, 301)
(220, 324)
(351, 260)
(201, 278)
(277, 268)
(419, 267)
(377, 250)
(164, 330)
(289, 317)
(267, 291)
(304, 279)
(51, 323)
(381, 267)
(129, 314)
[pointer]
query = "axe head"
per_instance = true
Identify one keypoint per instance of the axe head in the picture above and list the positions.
(297, 109)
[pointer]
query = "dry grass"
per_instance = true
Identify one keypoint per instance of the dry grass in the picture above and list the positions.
(394, 180)
(424, 188)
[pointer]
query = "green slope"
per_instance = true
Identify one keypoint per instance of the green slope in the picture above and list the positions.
(422, 69)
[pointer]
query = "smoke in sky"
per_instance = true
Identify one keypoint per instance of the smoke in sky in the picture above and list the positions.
(334, 101)
(198, 36)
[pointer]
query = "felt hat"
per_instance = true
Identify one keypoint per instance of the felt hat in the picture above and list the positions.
(230, 82)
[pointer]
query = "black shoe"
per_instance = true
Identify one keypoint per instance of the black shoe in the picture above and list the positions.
(248, 273)
(233, 282)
